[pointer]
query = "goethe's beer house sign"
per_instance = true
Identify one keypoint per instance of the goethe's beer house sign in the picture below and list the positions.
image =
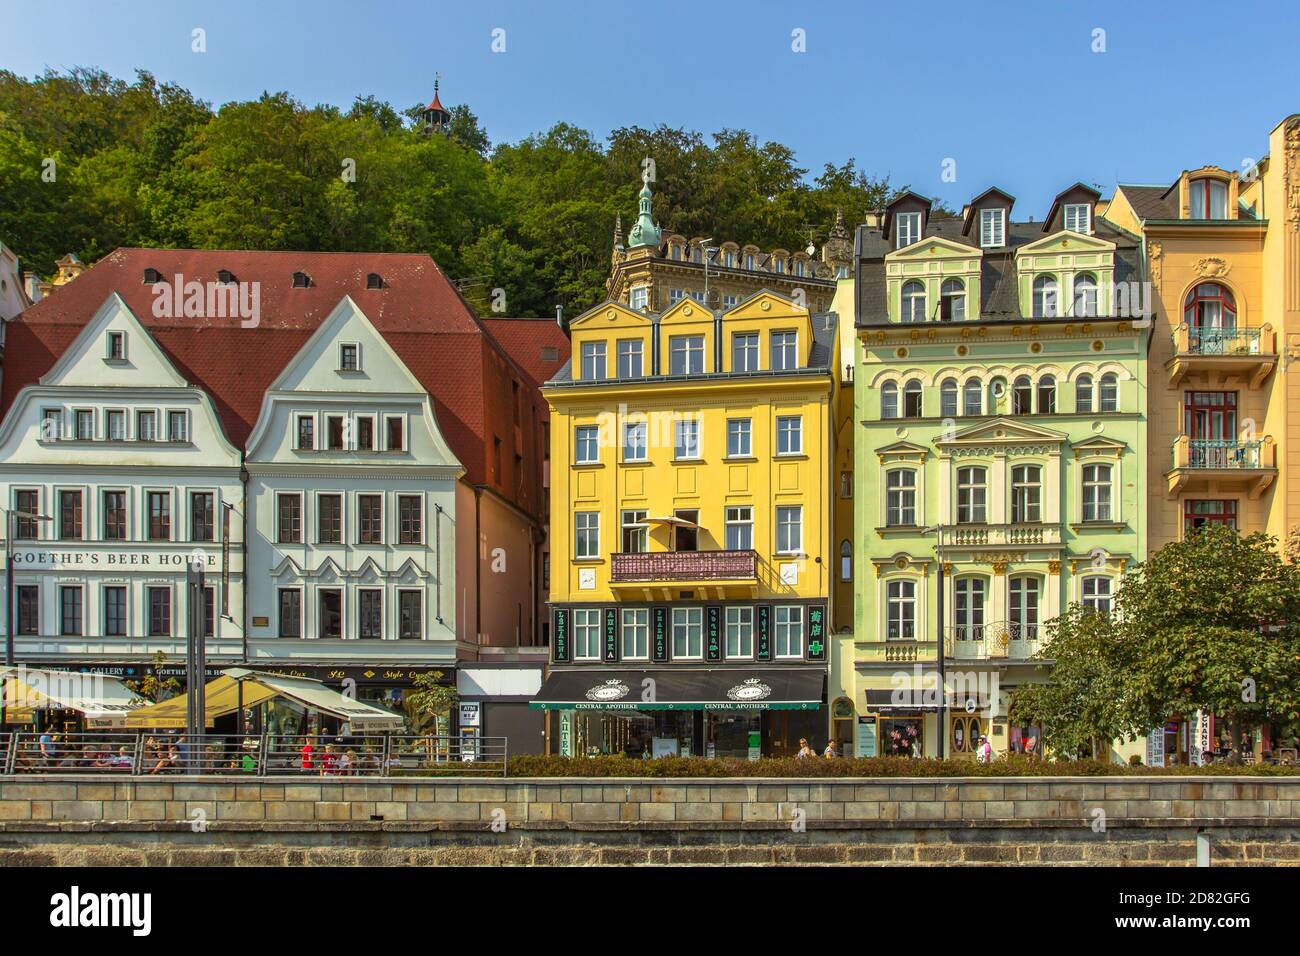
(171, 560)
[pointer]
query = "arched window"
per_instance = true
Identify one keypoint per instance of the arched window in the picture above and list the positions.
(973, 397)
(912, 399)
(948, 398)
(889, 400)
(1108, 393)
(846, 560)
(913, 301)
(1047, 395)
(1085, 295)
(1209, 312)
(1208, 199)
(1083, 393)
(1026, 494)
(1022, 396)
(1045, 298)
(952, 301)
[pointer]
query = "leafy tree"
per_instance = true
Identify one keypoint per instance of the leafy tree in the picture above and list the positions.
(429, 703)
(1084, 704)
(153, 687)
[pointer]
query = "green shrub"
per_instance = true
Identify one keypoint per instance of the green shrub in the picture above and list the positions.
(529, 765)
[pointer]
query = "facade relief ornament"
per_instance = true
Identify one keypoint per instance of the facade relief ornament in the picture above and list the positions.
(1156, 255)
(1292, 167)
(1053, 567)
(1212, 267)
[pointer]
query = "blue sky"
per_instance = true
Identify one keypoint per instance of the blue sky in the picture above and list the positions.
(1009, 89)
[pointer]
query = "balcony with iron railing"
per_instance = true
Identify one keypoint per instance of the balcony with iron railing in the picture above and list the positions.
(1230, 463)
(1251, 352)
(648, 567)
(999, 640)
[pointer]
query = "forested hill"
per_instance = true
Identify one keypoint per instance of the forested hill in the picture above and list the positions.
(89, 162)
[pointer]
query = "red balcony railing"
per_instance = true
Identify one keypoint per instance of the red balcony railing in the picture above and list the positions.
(684, 566)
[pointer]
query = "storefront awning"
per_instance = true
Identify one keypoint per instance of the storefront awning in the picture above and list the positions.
(238, 686)
(723, 688)
(913, 700)
(100, 699)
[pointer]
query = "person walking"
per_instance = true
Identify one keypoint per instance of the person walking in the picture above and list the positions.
(804, 749)
(984, 752)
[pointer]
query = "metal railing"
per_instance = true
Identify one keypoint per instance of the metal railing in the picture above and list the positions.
(630, 566)
(1219, 453)
(1190, 340)
(253, 755)
(1000, 639)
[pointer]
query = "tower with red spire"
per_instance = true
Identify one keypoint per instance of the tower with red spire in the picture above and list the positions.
(436, 118)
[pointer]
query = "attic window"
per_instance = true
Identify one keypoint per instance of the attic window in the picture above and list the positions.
(349, 357)
(550, 353)
(992, 228)
(1078, 217)
(907, 227)
(116, 346)
(225, 276)
(374, 281)
(151, 276)
(301, 280)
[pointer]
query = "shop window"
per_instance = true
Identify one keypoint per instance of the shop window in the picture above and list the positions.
(902, 737)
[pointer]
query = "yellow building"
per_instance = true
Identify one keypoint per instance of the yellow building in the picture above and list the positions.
(1223, 261)
(693, 559)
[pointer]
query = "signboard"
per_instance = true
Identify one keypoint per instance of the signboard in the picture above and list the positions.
(816, 632)
(659, 634)
(226, 509)
(713, 633)
(867, 741)
(471, 714)
(566, 733)
(560, 649)
(1156, 748)
(663, 746)
(755, 745)
(763, 650)
(611, 635)
(1199, 741)
(114, 560)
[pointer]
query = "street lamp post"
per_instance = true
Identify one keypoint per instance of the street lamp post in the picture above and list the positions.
(941, 650)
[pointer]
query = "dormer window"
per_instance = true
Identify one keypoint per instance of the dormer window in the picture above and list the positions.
(374, 281)
(907, 228)
(225, 276)
(349, 357)
(993, 228)
(1209, 199)
(151, 276)
(749, 262)
(301, 280)
(1078, 217)
(116, 346)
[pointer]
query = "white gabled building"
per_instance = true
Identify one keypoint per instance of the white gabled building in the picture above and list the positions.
(132, 476)
(352, 489)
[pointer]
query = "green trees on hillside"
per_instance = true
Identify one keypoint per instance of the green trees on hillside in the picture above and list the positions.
(144, 163)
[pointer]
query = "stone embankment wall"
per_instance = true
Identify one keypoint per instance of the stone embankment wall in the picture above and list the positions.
(223, 821)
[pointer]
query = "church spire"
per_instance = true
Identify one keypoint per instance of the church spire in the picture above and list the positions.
(436, 118)
(645, 232)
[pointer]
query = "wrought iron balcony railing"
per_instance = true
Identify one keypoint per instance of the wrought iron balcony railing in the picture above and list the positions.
(1222, 454)
(1208, 341)
(631, 567)
(998, 640)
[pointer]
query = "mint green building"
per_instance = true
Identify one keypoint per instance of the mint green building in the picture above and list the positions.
(1000, 387)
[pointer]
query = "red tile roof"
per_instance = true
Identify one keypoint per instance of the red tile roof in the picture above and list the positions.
(418, 311)
(526, 341)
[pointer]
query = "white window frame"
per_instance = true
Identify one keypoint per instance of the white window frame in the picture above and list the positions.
(743, 429)
(586, 444)
(1091, 488)
(634, 624)
(630, 350)
(789, 430)
(784, 347)
(686, 439)
(583, 631)
(905, 598)
(903, 492)
(594, 356)
(1081, 213)
(591, 526)
(993, 228)
(690, 348)
(976, 504)
(636, 446)
(783, 526)
(794, 631)
(907, 229)
(746, 346)
(740, 517)
(738, 632)
(1094, 600)
(692, 622)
